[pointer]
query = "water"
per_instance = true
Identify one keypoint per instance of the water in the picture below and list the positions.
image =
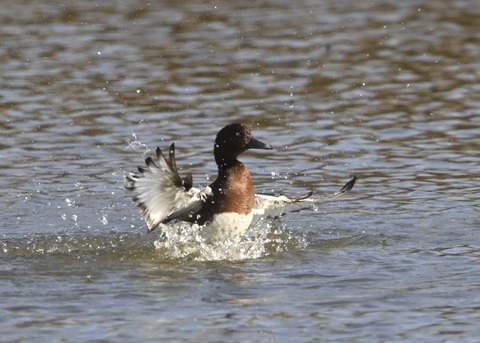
(386, 90)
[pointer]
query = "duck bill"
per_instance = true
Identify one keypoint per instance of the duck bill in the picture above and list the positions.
(254, 143)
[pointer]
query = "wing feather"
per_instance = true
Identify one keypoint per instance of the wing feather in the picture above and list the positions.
(276, 206)
(161, 194)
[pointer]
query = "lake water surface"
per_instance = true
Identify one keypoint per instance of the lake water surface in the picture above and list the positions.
(386, 90)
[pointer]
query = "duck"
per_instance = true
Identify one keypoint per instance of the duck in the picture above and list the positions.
(225, 208)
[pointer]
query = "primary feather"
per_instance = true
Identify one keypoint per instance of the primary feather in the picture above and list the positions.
(162, 195)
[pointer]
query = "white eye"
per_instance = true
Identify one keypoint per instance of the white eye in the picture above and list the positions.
(238, 134)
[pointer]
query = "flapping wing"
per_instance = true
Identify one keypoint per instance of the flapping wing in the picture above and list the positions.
(276, 206)
(161, 194)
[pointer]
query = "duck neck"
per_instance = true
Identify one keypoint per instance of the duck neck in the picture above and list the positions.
(225, 163)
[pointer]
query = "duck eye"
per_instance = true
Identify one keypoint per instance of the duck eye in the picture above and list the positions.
(238, 134)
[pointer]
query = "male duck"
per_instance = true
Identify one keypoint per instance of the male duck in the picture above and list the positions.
(224, 209)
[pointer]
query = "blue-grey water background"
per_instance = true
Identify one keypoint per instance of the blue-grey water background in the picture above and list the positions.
(387, 90)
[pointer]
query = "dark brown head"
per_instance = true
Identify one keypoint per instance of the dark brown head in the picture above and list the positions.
(232, 140)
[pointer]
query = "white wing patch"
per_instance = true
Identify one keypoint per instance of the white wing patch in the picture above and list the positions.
(161, 194)
(276, 206)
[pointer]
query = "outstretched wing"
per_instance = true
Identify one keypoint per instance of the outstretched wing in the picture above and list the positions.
(161, 194)
(276, 206)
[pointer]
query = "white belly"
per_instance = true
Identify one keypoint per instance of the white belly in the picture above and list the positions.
(227, 226)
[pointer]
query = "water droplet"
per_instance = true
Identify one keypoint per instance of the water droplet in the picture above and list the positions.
(104, 220)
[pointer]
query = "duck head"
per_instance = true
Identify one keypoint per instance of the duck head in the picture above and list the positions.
(233, 140)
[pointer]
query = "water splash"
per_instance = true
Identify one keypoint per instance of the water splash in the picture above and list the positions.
(117, 246)
(180, 241)
(133, 144)
(184, 241)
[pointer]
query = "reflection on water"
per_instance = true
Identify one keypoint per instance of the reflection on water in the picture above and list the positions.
(385, 90)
